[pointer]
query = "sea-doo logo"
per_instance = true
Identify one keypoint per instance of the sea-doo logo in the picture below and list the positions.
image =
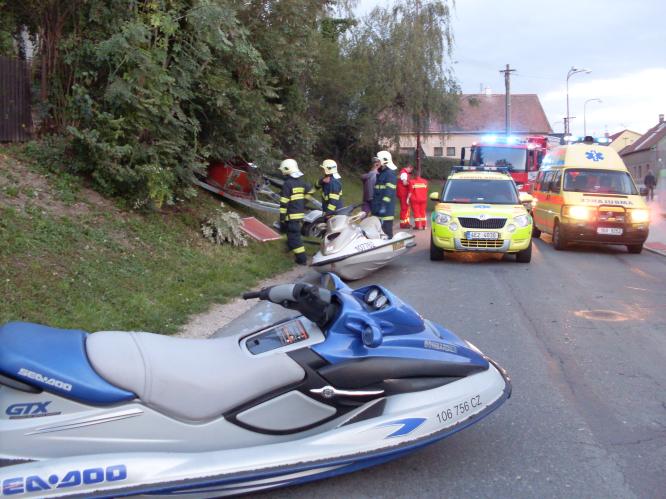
(74, 478)
(27, 373)
(29, 410)
(436, 345)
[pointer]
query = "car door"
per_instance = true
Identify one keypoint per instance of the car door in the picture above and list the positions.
(542, 194)
(554, 199)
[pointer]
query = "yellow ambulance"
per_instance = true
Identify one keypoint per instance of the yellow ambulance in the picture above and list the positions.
(584, 194)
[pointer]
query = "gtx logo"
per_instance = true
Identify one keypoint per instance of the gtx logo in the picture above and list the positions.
(34, 409)
(35, 483)
(27, 373)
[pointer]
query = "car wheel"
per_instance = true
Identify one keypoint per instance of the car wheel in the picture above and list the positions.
(635, 248)
(559, 243)
(436, 254)
(536, 232)
(525, 256)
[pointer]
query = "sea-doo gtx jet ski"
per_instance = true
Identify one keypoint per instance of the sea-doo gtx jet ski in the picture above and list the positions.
(354, 247)
(356, 380)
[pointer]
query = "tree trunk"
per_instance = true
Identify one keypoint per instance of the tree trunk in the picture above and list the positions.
(418, 152)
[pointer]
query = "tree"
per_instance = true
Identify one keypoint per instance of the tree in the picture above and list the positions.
(408, 45)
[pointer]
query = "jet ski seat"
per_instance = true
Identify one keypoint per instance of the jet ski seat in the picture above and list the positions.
(191, 379)
(372, 227)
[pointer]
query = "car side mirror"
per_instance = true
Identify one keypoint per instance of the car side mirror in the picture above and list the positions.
(526, 200)
(434, 196)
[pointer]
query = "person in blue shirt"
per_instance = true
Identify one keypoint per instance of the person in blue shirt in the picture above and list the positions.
(331, 188)
(383, 200)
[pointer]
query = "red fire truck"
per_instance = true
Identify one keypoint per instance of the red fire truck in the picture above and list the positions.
(521, 155)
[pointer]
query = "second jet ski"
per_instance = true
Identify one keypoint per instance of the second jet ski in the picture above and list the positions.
(354, 247)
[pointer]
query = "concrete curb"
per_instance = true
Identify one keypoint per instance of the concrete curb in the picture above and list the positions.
(655, 251)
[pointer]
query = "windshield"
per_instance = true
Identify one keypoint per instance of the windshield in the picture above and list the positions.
(513, 158)
(599, 181)
(480, 191)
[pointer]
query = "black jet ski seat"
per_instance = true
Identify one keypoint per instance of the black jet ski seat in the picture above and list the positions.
(193, 379)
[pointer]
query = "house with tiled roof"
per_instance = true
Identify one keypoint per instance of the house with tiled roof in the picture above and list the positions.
(478, 115)
(648, 151)
(622, 139)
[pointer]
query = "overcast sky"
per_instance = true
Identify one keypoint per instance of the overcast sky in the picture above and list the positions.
(622, 42)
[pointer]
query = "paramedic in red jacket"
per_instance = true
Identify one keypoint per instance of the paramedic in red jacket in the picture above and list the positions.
(418, 198)
(402, 192)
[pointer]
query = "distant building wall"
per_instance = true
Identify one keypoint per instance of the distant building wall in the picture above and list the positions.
(639, 162)
(442, 145)
(624, 139)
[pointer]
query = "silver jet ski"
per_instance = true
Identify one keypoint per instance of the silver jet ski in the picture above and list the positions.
(355, 378)
(354, 247)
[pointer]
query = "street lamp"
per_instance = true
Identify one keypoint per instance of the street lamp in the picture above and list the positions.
(572, 72)
(585, 116)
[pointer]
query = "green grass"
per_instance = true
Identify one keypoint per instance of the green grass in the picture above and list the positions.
(111, 269)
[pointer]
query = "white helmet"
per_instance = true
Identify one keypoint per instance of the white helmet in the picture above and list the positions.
(385, 158)
(290, 167)
(330, 168)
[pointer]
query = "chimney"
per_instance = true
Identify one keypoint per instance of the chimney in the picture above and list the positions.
(661, 118)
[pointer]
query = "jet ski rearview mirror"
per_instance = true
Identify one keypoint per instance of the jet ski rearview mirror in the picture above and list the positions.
(312, 301)
(370, 333)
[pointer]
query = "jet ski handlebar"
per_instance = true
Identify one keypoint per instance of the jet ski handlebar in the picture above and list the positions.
(313, 302)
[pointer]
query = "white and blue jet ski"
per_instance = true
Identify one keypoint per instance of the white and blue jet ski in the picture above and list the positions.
(356, 380)
(353, 246)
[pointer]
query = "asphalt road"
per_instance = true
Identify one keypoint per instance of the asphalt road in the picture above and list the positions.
(583, 335)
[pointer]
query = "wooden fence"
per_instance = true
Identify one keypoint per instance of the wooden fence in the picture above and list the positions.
(15, 108)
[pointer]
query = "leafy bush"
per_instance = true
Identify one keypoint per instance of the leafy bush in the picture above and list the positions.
(224, 227)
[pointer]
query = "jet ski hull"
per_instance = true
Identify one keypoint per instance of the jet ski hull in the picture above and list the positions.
(359, 439)
(358, 262)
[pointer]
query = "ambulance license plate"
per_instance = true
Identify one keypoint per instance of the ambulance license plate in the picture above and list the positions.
(398, 245)
(482, 235)
(609, 231)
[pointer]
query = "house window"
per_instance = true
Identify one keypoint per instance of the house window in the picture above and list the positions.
(450, 151)
(439, 151)
(407, 151)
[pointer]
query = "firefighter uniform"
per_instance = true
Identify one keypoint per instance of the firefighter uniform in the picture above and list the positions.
(383, 200)
(292, 211)
(418, 199)
(331, 194)
(402, 193)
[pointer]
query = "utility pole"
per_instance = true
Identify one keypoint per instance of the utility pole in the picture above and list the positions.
(507, 98)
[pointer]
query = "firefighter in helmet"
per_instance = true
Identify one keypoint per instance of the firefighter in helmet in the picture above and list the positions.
(383, 200)
(402, 193)
(292, 207)
(331, 187)
(418, 199)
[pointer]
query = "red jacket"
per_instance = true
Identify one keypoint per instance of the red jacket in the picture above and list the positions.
(403, 190)
(418, 189)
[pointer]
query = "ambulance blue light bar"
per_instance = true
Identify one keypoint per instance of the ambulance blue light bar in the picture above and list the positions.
(578, 139)
(501, 169)
(494, 139)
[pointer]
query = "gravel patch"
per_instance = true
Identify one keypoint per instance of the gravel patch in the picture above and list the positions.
(205, 324)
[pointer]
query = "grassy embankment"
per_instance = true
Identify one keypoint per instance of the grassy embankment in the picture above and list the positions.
(70, 258)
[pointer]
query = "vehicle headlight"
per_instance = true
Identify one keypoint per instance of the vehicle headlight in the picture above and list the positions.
(579, 212)
(511, 228)
(453, 227)
(442, 218)
(522, 220)
(640, 216)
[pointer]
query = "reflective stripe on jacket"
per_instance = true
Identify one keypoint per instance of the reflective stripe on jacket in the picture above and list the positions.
(292, 199)
(383, 200)
(331, 195)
